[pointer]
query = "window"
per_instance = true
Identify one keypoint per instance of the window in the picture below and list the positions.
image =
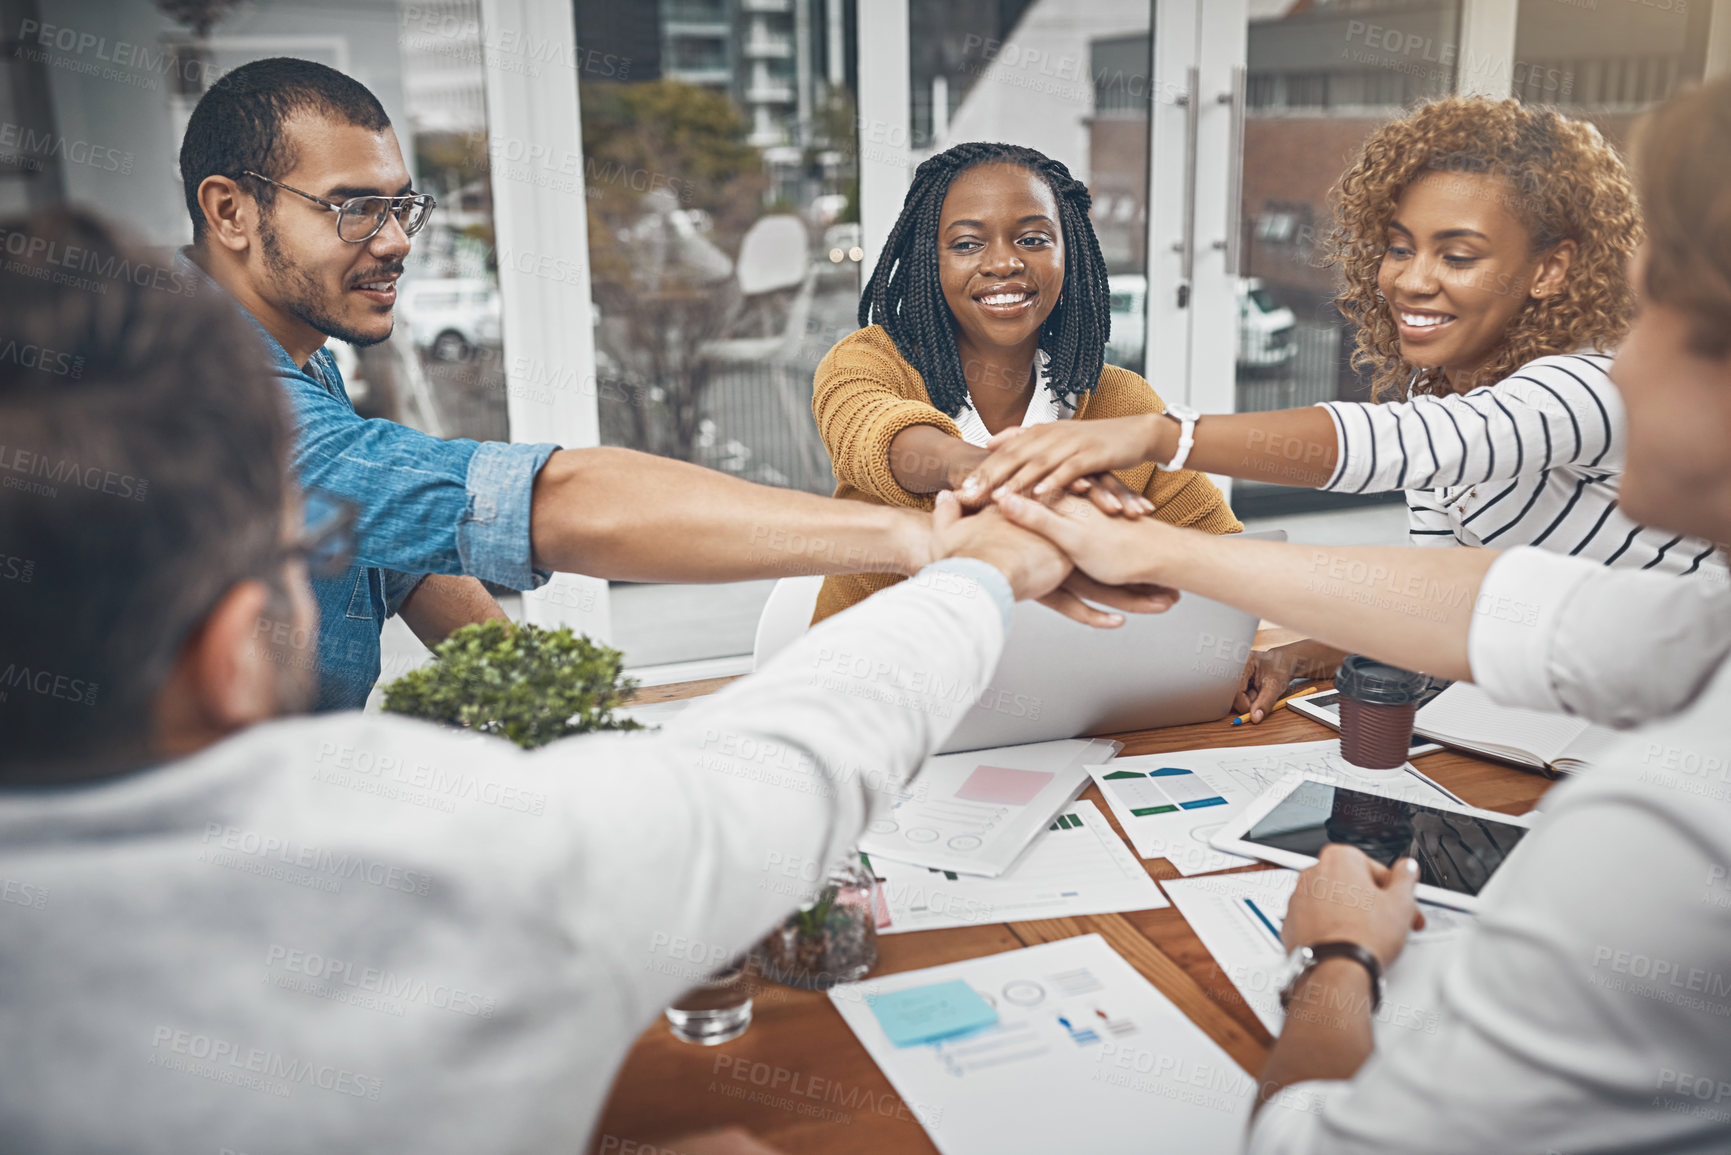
(1320, 78)
(1071, 79)
(724, 254)
(1607, 61)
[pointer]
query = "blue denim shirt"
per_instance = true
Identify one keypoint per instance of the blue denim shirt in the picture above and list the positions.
(424, 506)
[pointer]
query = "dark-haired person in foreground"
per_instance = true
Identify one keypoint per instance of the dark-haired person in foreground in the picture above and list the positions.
(227, 928)
(302, 209)
(988, 310)
(1588, 1007)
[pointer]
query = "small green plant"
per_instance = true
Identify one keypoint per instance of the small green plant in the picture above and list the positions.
(522, 682)
(815, 919)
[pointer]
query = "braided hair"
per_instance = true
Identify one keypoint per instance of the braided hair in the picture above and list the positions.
(907, 299)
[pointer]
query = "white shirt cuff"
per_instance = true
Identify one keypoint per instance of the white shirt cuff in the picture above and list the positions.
(1511, 640)
(1291, 1122)
(981, 573)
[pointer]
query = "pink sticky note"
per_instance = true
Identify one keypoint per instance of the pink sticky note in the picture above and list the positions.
(1003, 785)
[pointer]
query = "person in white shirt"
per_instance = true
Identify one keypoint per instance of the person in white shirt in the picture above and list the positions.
(1483, 245)
(1588, 1007)
(223, 927)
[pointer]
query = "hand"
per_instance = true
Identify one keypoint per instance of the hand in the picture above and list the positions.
(1108, 494)
(1350, 897)
(954, 535)
(1050, 458)
(1111, 550)
(1067, 600)
(1033, 566)
(1269, 672)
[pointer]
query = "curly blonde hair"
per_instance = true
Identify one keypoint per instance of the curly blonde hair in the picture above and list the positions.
(1562, 182)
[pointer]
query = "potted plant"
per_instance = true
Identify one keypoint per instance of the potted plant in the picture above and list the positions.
(523, 682)
(832, 939)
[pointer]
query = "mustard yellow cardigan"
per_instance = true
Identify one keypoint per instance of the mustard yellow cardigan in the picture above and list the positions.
(865, 393)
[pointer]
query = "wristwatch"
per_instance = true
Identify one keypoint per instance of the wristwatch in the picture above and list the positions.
(1305, 959)
(1186, 416)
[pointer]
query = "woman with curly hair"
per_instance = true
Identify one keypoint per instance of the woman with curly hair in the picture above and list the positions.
(1484, 245)
(987, 311)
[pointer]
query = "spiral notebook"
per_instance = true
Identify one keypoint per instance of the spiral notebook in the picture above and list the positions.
(1464, 717)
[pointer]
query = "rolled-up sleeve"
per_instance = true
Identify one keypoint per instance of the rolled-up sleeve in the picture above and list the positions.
(1617, 647)
(493, 535)
(858, 415)
(424, 505)
(398, 587)
(1556, 411)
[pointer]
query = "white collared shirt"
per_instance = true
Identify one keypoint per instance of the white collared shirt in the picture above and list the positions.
(1043, 409)
(1588, 1008)
(362, 932)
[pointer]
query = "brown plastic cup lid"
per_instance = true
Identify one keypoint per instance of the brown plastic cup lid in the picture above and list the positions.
(1378, 683)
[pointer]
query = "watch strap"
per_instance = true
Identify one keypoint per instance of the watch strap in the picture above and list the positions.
(1323, 951)
(1186, 418)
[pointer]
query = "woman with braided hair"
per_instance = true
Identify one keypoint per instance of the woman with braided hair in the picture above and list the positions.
(988, 310)
(1484, 246)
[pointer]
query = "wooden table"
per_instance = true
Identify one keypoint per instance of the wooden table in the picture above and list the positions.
(667, 1088)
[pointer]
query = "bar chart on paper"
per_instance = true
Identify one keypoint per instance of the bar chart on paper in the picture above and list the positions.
(1163, 790)
(1171, 804)
(976, 812)
(1086, 1055)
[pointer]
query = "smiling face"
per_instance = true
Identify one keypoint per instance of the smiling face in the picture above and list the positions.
(1458, 270)
(305, 270)
(1000, 259)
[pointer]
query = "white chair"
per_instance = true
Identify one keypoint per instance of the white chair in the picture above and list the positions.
(786, 615)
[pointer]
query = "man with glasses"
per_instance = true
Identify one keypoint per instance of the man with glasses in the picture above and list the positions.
(228, 928)
(302, 209)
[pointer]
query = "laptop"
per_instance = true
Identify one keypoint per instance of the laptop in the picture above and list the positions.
(1060, 679)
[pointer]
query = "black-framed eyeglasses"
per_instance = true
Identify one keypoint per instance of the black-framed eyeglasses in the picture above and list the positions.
(359, 219)
(327, 537)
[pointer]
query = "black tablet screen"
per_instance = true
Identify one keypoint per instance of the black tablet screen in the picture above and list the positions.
(1457, 852)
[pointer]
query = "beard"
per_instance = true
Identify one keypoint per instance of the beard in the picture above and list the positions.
(304, 297)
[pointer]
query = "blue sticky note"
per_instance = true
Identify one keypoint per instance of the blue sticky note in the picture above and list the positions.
(926, 1014)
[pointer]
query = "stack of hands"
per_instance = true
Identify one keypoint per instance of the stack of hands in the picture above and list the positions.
(1038, 476)
(1043, 508)
(1053, 518)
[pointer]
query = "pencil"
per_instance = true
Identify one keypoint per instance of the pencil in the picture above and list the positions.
(1243, 718)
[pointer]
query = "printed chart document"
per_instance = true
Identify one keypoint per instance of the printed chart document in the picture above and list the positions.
(1078, 866)
(1171, 804)
(976, 811)
(1238, 918)
(1086, 1056)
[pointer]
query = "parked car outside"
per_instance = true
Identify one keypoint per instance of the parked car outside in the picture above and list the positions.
(1265, 328)
(451, 317)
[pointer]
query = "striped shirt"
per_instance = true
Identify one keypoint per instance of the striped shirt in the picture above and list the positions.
(1534, 459)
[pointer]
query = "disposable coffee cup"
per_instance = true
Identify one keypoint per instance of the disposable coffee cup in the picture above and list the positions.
(1377, 705)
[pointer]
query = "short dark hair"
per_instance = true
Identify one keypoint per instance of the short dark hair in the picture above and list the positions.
(238, 123)
(907, 299)
(143, 471)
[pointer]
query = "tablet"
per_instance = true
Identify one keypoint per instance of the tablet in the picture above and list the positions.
(1457, 848)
